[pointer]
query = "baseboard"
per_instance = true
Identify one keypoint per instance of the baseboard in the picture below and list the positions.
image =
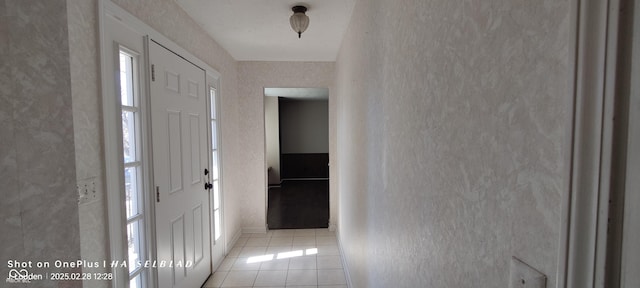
(332, 226)
(304, 179)
(254, 230)
(233, 242)
(345, 267)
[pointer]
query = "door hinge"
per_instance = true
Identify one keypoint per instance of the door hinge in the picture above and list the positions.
(158, 194)
(153, 72)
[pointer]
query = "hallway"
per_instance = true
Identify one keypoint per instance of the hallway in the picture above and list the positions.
(282, 258)
(453, 139)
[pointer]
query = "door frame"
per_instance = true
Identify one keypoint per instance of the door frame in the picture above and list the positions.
(590, 151)
(110, 109)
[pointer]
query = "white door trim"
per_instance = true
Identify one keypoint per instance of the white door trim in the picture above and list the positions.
(113, 179)
(583, 240)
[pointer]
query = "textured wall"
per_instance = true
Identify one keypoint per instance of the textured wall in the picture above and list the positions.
(87, 126)
(253, 77)
(39, 209)
(450, 140)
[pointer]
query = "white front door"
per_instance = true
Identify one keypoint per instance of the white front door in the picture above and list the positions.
(179, 141)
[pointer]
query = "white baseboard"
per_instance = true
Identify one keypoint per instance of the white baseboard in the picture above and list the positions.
(232, 243)
(333, 226)
(345, 267)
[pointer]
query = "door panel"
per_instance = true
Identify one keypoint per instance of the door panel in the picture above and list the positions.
(177, 249)
(179, 129)
(194, 126)
(175, 151)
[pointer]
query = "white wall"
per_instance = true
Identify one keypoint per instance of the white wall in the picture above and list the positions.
(253, 77)
(272, 138)
(304, 126)
(451, 119)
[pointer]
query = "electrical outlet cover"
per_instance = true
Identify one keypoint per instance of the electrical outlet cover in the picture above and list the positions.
(522, 275)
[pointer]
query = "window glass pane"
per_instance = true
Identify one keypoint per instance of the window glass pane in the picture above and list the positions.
(136, 282)
(212, 94)
(216, 194)
(129, 136)
(131, 189)
(214, 135)
(217, 227)
(214, 161)
(133, 238)
(126, 79)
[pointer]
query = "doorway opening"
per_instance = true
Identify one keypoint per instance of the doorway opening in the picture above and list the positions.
(297, 157)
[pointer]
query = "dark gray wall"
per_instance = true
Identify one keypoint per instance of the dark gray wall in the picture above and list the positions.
(304, 126)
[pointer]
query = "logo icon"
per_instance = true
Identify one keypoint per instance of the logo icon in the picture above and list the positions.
(19, 276)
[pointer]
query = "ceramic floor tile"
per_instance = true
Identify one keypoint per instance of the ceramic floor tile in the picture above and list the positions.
(304, 232)
(259, 235)
(234, 252)
(328, 250)
(282, 258)
(331, 277)
(329, 262)
(326, 240)
(241, 242)
(278, 249)
(283, 232)
(251, 251)
(245, 264)
(304, 248)
(325, 232)
(226, 264)
(258, 241)
(275, 264)
(304, 240)
(302, 277)
(302, 263)
(215, 280)
(281, 241)
(240, 278)
(271, 278)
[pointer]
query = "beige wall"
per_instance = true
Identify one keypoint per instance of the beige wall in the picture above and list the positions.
(253, 77)
(39, 208)
(450, 140)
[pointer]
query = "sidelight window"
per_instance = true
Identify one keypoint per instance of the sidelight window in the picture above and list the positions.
(132, 159)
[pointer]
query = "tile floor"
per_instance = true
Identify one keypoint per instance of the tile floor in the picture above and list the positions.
(282, 258)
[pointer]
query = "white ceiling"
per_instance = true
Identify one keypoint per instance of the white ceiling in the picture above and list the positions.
(259, 30)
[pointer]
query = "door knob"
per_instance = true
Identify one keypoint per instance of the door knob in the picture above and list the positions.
(207, 186)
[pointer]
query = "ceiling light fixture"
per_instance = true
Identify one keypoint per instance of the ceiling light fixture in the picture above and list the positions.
(299, 21)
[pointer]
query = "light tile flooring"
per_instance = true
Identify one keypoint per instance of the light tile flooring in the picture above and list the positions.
(282, 258)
